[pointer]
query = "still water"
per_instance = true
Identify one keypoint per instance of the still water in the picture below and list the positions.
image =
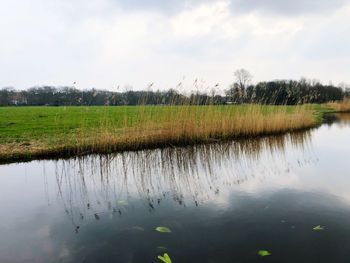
(222, 202)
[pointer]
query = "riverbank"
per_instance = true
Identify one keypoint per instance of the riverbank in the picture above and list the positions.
(28, 133)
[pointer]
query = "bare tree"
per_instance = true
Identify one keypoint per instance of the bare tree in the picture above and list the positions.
(238, 89)
(243, 78)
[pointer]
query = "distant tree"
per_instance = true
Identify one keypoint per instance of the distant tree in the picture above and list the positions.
(346, 88)
(6, 95)
(347, 93)
(290, 92)
(243, 78)
(237, 90)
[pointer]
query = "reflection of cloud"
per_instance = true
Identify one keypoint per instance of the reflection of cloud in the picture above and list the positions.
(249, 192)
(245, 223)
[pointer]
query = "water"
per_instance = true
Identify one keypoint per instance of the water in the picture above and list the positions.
(222, 202)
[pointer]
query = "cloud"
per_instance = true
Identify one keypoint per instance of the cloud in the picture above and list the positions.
(280, 7)
(327, 38)
(201, 20)
(167, 5)
(288, 7)
(105, 43)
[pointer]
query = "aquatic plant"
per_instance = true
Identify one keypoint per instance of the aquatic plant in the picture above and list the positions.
(163, 229)
(319, 228)
(165, 258)
(264, 253)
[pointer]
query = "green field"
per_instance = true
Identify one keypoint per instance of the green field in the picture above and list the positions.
(30, 132)
(21, 124)
(24, 124)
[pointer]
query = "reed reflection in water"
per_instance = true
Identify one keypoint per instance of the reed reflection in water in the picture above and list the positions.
(94, 185)
(223, 202)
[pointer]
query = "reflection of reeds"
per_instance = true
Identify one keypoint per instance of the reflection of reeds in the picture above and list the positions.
(340, 119)
(97, 184)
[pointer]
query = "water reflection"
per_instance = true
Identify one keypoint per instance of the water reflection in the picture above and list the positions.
(189, 176)
(223, 203)
(281, 222)
(342, 119)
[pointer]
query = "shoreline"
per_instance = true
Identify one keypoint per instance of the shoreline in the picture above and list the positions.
(22, 153)
(71, 152)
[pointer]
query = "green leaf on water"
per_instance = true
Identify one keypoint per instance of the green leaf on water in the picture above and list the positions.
(163, 229)
(264, 253)
(318, 228)
(165, 258)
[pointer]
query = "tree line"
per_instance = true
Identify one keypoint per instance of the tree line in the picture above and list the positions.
(70, 96)
(289, 92)
(283, 92)
(278, 92)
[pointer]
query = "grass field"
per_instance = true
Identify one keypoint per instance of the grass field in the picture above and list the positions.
(41, 132)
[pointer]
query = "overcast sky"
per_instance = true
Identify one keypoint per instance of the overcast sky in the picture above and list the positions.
(110, 43)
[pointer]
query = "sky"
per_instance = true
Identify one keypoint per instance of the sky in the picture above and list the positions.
(120, 44)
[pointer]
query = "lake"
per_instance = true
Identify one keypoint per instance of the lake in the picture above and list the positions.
(274, 199)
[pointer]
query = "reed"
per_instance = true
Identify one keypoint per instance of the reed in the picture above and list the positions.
(343, 106)
(108, 129)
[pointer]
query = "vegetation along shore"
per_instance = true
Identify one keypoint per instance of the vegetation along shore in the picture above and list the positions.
(95, 121)
(28, 133)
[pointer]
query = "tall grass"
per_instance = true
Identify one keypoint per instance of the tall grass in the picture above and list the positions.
(107, 129)
(343, 106)
(156, 126)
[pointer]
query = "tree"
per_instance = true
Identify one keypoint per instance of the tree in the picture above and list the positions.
(6, 96)
(237, 91)
(243, 78)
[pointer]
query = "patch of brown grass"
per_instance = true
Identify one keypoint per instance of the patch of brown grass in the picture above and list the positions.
(343, 106)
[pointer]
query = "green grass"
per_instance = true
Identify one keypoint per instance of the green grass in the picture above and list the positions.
(30, 132)
(18, 124)
(23, 124)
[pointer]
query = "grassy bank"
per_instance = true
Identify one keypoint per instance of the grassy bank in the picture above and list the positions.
(343, 106)
(40, 132)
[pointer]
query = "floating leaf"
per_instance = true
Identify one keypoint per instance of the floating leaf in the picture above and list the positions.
(264, 253)
(318, 228)
(163, 229)
(165, 258)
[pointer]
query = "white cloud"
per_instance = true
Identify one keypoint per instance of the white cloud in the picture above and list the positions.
(201, 20)
(102, 44)
(288, 7)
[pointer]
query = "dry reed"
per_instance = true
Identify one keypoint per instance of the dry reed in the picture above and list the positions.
(187, 124)
(159, 126)
(343, 106)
